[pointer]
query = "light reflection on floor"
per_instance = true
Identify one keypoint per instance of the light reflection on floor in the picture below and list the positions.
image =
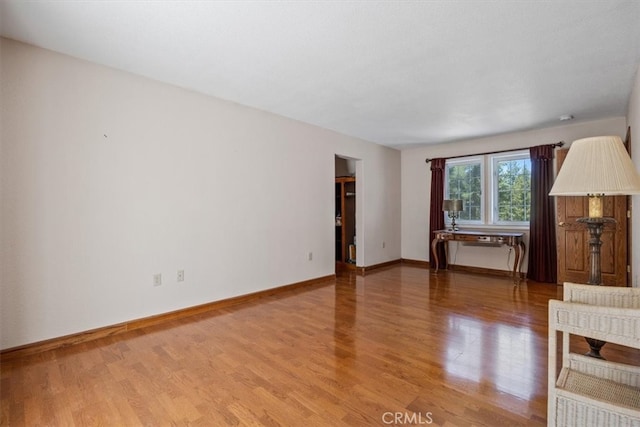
(508, 363)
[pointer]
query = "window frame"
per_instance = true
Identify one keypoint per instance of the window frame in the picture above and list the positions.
(495, 159)
(467, 161)
(488, 188)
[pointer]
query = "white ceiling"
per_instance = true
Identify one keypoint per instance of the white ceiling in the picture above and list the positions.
(398, 73)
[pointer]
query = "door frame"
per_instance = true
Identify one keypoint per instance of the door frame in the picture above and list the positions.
(360, 232)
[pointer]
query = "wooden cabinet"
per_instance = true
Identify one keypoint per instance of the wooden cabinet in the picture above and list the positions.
(345, 218)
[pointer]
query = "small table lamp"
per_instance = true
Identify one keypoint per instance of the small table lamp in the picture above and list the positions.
(596, 167)
(452, 207)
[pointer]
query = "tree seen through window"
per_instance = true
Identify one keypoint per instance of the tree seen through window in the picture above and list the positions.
(501, 195)
(465, 183)
(514, 190)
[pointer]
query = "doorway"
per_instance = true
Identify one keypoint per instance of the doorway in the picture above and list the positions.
(345, 214)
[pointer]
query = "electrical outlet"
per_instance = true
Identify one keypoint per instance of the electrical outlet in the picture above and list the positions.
(157, 279)
(180, 275)
(310, 256)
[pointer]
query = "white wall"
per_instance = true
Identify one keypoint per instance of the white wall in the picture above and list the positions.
(108, 178)
(416, 186)
(633, 120)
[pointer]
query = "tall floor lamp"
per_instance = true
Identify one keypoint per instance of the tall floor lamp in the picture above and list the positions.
(596, 167)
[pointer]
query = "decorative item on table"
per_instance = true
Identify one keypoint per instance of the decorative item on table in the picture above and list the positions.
(453, 207)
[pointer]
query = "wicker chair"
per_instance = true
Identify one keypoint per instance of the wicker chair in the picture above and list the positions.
(590, 391)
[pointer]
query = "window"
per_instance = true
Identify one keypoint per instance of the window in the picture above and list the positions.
(512, 189)
(501, 196)
(464, 180)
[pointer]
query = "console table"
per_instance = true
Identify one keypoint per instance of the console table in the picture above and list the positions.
(514, 240)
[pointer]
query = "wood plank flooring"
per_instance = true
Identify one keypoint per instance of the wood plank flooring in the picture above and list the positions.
(400, 346)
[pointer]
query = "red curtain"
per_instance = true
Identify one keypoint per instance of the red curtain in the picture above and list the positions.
(542, 227)
(436, 217)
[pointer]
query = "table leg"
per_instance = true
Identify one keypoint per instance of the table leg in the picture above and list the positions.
(516, 261)
(446, 253)
(434, 250)
(519, 249)
(522, 246)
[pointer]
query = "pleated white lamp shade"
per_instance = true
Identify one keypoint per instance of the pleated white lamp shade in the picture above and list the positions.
(597, 166)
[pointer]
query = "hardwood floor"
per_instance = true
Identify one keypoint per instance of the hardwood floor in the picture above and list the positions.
(400, 346)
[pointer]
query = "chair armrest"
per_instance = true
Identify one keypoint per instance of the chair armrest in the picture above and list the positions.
(611, 324)
(609, 296)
